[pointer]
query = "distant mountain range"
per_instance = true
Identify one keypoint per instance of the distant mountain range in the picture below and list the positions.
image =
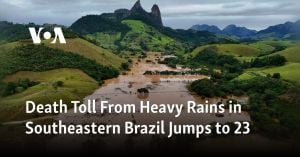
(234, 30)
(285, 30)
(231, 30)
(133, 30)
(137, 30)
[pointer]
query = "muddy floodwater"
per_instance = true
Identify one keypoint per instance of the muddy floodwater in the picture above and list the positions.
(163, 89)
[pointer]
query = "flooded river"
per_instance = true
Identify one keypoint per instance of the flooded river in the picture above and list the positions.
(163, 89)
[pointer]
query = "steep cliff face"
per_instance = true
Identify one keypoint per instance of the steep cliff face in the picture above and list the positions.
(112, 21)
(136, 30)
(122, 13)
(137, 8)
(155, 12)
(153, 18)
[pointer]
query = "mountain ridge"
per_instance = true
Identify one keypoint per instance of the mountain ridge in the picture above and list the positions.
(206, 27)
(281, 30)
(113, 21)
(230, 30)
(234, 30)
(275, 31)
(123, 27)
(137, 12)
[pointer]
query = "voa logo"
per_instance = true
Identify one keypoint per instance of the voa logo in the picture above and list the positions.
(58, 34)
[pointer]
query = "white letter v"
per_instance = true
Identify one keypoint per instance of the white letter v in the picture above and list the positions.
(35, 36)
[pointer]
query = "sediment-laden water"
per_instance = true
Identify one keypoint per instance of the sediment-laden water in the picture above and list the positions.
(163, 89)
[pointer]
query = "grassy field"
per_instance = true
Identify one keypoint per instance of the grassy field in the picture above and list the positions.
(90, 51)
(289, 72)
(145, 30)
(246, 52)
(78, 46)
(76, 86)
(5, 58)
(292, 54)
(240, 51)
(263, 46)
(9, 46)
(231, 49)
(144, 36)
(140, 37)
(107, 40)
(276, 43)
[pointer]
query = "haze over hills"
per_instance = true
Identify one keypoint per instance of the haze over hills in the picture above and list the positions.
(206, 27)
(231, 30)
(278, 31)
(234, 30)
(138, 30)
(281, 30)
(114, 31)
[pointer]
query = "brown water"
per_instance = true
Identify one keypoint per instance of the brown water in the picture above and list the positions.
(162, 89)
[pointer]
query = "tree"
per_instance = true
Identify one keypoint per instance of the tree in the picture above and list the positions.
(276, 60)
(41, 58)
(57, 84)
(276, 75)
(125, 66)
(204, 87)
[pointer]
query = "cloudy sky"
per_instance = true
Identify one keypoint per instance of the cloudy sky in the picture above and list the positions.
(255, 14)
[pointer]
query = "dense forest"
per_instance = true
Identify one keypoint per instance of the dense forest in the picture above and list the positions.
(265, 105)
(41, 58)
(211, 58)
(10, 32)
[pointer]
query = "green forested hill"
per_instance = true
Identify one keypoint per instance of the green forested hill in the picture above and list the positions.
(140, 37)
(76, 85)
(248, 51)
(292, 54)
(41, 58)
(117, 34)
(98, 23)
(90, 51)
(80, 66)
(77, 46)
(12, 32)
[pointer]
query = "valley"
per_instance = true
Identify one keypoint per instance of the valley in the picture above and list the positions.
(129, 60)
(163, 89)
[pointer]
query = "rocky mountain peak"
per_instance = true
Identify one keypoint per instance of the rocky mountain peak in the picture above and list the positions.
(154, 17)
(137, 6)
(155, 11)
